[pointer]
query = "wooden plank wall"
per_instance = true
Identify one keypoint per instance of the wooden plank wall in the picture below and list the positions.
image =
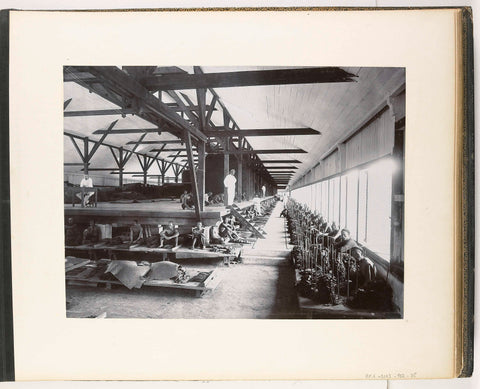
(374, 141)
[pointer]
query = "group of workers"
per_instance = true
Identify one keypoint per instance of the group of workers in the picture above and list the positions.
(222, 232)
(186, 198)
(328, 235)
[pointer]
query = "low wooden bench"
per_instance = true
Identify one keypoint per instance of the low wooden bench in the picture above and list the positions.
(89, 276)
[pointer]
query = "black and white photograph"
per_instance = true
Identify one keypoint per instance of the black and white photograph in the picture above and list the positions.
(201, 192)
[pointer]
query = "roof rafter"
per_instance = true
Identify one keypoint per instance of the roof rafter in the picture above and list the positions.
(221, 132)
(248, 78)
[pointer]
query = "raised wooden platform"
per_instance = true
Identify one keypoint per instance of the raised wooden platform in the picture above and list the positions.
(107, 215)
(88, 276)
(175, 253)
(156, 211)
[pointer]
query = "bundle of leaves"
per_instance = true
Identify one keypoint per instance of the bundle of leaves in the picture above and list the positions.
(339, 270)
(305, 286)
(297, 257)
(324, 291)
(377, 296)
(127, 196)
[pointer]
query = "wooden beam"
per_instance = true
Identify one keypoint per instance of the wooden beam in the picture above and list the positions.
(148, 175)
(129, 131)
(222, 132)
(177, 155)
(245, 222)
(240, 177)
(168, 70)
(264, 161)
(131, 152)
(99, 112)
(193, 119)
(272, 151)
(171, 163)
(248, 78)
(119, 111)
(201, 101)
(73, 164)
(127, 173)
(117, 161)
(172, 150)
(211, 109)
(86, 142)
(142, 165)
(201, 174)
(117, 98)
(193, 174)
(280, 167)
(154, 158)
(77, 148)
(98, 143)
(100, 169)
(66, 103)
(119, 79)
(159, 142)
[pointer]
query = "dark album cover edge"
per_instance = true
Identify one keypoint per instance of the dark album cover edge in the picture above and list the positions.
(468, 188)
(7, 370)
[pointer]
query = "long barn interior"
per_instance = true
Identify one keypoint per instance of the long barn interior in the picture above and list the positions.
(315, 228)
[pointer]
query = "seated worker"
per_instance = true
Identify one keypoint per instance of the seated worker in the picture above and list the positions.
(217, 199)
(322, 224)
(136, 233)
(231, 222)
(215, 237)
(170, 232)
(366, 268)
(334, 230)
(73, 236)
(345, 243)
(187, 202)
(257, 205)
(207, 198)
(198, 236)
(92, 233)
(226, 231)
(182, 196)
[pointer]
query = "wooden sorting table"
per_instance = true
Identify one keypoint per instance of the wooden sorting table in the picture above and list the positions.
(90, 276)
(163, 253)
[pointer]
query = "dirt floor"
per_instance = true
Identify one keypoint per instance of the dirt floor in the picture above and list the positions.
(247, 291)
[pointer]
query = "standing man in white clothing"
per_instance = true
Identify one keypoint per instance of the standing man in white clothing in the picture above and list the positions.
(229, 183)
(86, 183)
(263, 190)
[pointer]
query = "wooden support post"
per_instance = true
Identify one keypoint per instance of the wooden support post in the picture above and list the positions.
(191, 164)
(201, 174)
(163, 171)
(120, 159)
(226, 170)
(145, 169)
(240, 177)
(85, 155)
